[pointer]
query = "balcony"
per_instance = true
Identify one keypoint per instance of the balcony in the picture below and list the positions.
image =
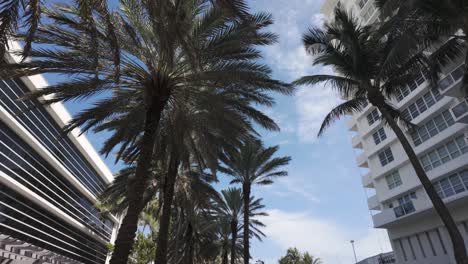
(361, 160)
(367, 181)
(450, 85)
(373, 203)
(356, 142)
(460, 112)
(392, 214)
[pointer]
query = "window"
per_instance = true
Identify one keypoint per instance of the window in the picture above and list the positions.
(421, 104)
(379, 136)
(444, 153)
(373, 116)
(452, 184)
(393, 180)
(386, 156)
(411, 86)
(451, 78)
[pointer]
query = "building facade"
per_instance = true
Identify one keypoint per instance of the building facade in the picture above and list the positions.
(384, 258)
(48, 184)
(398, 201)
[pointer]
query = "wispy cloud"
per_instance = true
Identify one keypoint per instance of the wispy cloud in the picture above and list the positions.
(294, 188)
(321, 237)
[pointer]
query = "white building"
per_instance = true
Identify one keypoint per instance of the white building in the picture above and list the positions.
(48, 184)
(399, 203)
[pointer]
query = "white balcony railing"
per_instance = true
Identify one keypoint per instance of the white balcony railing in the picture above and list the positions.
(367, 181)
(361, 160)
(356, 142)
(373, 203)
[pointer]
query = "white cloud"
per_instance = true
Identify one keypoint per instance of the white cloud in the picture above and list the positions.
(322, 238)
(295, 188)
(312, 105)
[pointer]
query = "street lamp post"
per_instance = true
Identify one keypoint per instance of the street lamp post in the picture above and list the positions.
(354, 250)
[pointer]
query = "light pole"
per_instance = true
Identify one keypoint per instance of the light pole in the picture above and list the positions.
(354, 250)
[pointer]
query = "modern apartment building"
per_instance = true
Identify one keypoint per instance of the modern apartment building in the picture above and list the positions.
(399, 203)
(48, 184)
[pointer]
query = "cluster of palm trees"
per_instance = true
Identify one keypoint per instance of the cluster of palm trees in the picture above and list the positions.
(176, 82)
(176, 85)
(372, 63)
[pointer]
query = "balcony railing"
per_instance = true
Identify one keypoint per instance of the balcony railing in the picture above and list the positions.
(460, 109)
(404, 209)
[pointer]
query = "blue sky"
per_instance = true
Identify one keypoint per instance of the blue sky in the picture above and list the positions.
(321, 205)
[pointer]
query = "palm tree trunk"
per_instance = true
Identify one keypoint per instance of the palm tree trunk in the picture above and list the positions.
(246, 194)
(465, 77)
(233, 241)
(459, 249)
(224, 259)
(127, 231)
(164, 222)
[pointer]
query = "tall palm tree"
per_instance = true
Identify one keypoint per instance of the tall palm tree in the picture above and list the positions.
(230, 210)
(431, 20)
(249, 164)
(371, 68)
(197, 49)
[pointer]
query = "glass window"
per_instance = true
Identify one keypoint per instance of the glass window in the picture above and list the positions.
(406, 114)
(393, 180)
(372, 117)
(423, 133)
(426, 162)
(420, 79)
(464, 177)
(429, 99)
(448, 117)
(458, 73)
(438, 189)
(431, 127)
(413, 110)
(436, 94)
(457, 184)
(379, 136)
(421, 105)
(440, 123)
(435, 160)
(385, 156)
(443, 154)
(462, 144)
(453, 149)
(446, 82)
(446, 188)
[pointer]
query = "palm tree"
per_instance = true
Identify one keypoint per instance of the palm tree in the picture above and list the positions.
(293, 256)
(431, 20)
(229, 210)
(195, 51)
(249, 164)
(371, 68)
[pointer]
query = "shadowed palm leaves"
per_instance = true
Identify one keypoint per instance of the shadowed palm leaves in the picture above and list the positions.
(432, 21)
(197, 51)
(249, 164)
(371, 68)
(15, 14)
